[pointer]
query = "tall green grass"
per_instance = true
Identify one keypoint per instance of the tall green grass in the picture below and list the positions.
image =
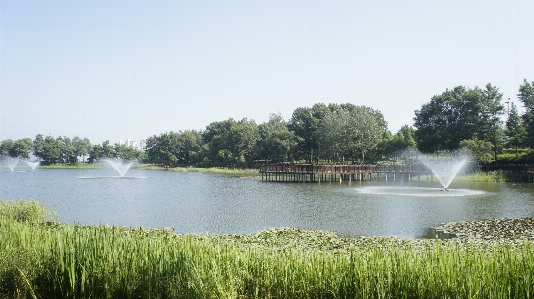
(228, 171)
(484, 176)
(71, 166)
(50, 260)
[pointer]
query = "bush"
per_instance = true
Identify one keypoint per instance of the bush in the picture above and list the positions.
(25, 211)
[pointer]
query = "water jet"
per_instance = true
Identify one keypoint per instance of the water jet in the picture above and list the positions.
(33, 165)
(9, 162)
(444, 166)
(119, 166)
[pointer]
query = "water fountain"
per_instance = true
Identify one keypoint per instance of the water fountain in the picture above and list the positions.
(444, 166)
(119, 166)
(9, 162)
(33, 165)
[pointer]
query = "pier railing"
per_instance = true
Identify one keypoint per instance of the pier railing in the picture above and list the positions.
(321, 173)
(343, 169)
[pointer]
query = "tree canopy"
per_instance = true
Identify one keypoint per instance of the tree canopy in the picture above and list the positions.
(456, 115)
(459, 117)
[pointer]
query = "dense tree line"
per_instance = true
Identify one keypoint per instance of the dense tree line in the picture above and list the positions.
(471, 118)
(456, 115)
(63, 149)
(336, 133)
(333, 133)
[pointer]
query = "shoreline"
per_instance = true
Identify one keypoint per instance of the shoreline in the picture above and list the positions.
(494, 229)
(475, 177)
(286, 238)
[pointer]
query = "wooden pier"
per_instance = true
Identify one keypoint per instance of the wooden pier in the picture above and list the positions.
(335, 173)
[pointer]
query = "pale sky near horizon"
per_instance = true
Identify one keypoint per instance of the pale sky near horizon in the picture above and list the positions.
(111, 70)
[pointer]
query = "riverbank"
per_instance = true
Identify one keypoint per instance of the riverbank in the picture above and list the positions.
(72, 166)
(249, 173)
(490, 176)
(490, 230)
(43, 259)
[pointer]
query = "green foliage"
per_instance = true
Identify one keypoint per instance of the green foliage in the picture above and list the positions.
(6, 146)
(82, 147)
(304, 123)
(230, 143)
(456, 115)
(25, 211)
(20, 148)
(118, 151)
(391, 147)
(276, 142)
(516, 156)
(349, 131)
(526, 96)
(482, 150)
(174, 148)
(515, 129)
(48, 149)
(49, 260)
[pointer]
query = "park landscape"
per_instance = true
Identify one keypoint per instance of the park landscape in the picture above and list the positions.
(43, 257)
(266, 149)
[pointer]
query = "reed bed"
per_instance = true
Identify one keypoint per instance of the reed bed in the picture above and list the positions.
(40, 259)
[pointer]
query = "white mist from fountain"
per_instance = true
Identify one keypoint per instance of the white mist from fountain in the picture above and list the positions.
(33, 165)
(445, 166)
(9, 162)
(119, 166)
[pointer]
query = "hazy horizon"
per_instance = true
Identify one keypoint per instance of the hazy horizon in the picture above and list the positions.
(112, 70)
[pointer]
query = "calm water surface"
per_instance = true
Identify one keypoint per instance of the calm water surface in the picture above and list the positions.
(212, 203)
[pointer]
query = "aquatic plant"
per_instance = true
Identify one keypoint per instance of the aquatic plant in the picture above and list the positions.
(52, 260)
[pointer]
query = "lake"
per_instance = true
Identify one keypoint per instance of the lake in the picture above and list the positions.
(214, 203)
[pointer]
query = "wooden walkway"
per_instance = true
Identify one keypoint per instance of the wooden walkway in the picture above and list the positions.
(333, 173)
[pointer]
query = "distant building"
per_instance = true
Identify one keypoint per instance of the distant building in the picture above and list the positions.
(142, 144)
(121, 142)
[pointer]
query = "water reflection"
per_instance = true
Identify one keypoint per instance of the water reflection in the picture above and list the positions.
(211, 203)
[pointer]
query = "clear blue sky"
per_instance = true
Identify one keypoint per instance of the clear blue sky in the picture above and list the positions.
(111, 70)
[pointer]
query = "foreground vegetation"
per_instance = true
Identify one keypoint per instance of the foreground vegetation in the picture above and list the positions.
(40, 259)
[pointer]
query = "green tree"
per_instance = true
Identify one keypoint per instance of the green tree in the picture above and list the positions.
(482, 150)
(526, 96)
(126, 152)
(190, 144)
(101, 151)
(6, 146)
(276, 142)
(21, 148)
(172, 148)
(48, 149)
(230, 143)
(304, 124)
(68, 150)
(82, 147)
(395, 145)
(514, 129)
(38, 143)
(349, 131)
(456, 115)
(163, 149)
